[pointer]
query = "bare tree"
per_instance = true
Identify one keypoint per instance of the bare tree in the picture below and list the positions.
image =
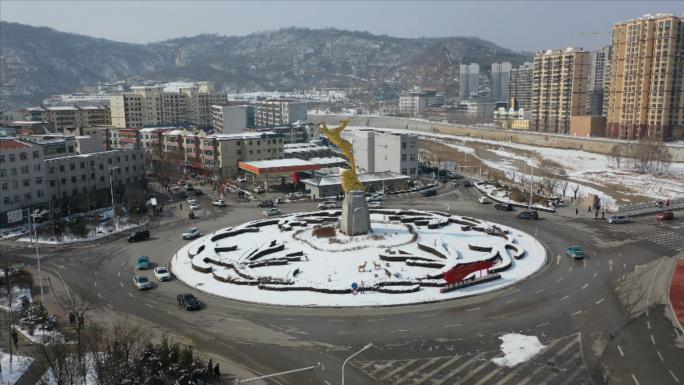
(575, 191)
(564, 187)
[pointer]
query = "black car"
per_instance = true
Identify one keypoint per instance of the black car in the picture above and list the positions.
(266, 203)
(183, 195)
(139, 236)
(504, 206)
(199, 192)
(528, 214)
(188, 301)
(467, 183)
(429, 193)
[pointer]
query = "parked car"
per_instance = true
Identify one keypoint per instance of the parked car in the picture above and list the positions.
(194, 206)
(188, 301)
(266, 203)
(467, 183)
(483, 200)
(374, 198)
(259, 190)
(528, 214)
(162, 274)
(191, 233)
(192, 200)
(143, 263)
(198, 192)
(219, 203)
(189, 187)
(241, 179)
(454, 175)
(619, 219)
(375, 205)
(139, 236)
(183, 195)
(429, 193)
(271, 211)
(504, 206)
(141, 282)
(574, 252)
(665, 216)
(327, 205)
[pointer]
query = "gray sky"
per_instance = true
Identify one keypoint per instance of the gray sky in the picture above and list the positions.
(519, 25)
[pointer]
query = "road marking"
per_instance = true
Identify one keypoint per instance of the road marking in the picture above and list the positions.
(118, 274)
(427, 316)
(99, 295)
(95, 283)
(599, 301)
(397, 370)
(375, 319)
(131, 294)
(540, 291)
(95, 272)
(674, 377)
(558, 259)
(660, 356)
(560, 279)
(584, 263)
(472, 373)
(598, 263)
(430, 375)
(122, 263)
(652, 339)
(510, 300)
(452, 325)
(635, 380)
(418, 369)
(524, 365)
(121, 283)
(401, 330)
(648, 325)
(578, 312)
(564, 298)
(610, 265)
(110, 306)
(473, 309)
(459, 368)
(326, 382)
(543, 324)
(624, 265)
(570, 268)
(334, 320)
(148, 305)
(620, 350)
(586, 285)
(619, 254)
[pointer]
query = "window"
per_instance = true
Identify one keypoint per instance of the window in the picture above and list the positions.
(2, 158)
(82, 164)
(23, 156)
(26, 182)
(61, 168)
(92, 175)
(403, 156)
(101, 179)
(36, 155)
(6, 201)
(12, 158)
(39, 180)
(403, 171)
(52, 183)
(72, 166)
(62, 181)
(36, 167)
(40, 193)
(83, 177)
(5, 186)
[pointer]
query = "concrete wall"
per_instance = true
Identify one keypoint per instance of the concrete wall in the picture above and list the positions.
(596, 145)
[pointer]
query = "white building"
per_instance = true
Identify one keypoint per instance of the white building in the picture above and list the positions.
(378, 151)
(278, 112)
(469, 80)
(232, 119)
(415, 103)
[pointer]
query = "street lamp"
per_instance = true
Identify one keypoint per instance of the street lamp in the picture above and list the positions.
(368, 346)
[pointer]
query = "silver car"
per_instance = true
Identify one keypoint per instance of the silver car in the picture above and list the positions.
(619, 219)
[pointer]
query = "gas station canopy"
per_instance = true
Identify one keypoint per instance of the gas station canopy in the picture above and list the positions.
(278, 167)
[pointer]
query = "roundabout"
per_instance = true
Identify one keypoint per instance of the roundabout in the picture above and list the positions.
(407, 257)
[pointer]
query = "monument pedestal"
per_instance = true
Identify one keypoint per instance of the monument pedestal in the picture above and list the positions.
(355, 214)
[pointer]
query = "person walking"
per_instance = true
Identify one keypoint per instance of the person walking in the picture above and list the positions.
(595, 214)
(576, 211)
(589, 209)
(603, 214)
(217, 372)
(210, 367)
(15, 339)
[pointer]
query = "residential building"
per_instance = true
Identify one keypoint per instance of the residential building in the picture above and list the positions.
(378, 151)
(67, 119)
(559, 88)
(306, 151)
(148, 106)
(278, 112)
(4, 76)
(646, 94)
(520, 86)
(588, 126)
(291, 133)
(479, 110)
(231, 118)
(511, 118)
(415, 103)
(22, 179)
(501, 76)
(598, 69)
(469, 80)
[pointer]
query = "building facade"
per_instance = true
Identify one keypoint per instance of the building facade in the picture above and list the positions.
(22, 179)
(278, 112)
(415, 103)
(232, 119)
(68, 119)
(501, 76)
(646, 94)
(520, 86)
(469, 80)
(598, 71)
(377, 151)
(559, 88)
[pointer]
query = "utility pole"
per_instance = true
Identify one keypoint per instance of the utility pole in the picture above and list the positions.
(40, 276)
(9, 301)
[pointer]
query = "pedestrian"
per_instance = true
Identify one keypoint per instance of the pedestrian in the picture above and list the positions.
(15, 338)
(603, 214)
(217, 372)
(72, 319)
(210, 366)
(667, 203)
(576, 211)
(589, 209)
(595, 214)
(180, 206)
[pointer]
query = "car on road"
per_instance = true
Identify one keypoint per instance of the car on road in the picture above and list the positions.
(375, 205)
(189, 187)
(453, 175)
(188, 301)
(429, 193)
(141, 282)
(528, 214)
(483, 200)
(143, 263)
(374, 198)
(619, 219)
(271, 211)
(574, 252)
(194, 206)
(504, 206)
(198, 192)
(467, 183)
(219, 203)
(665, 216)
(327, 205)
(241, 179)
(191, 233)
(192, 200)
(183, 195)
(139, 236)
(162, 274)
(259, 190)
(266, 203)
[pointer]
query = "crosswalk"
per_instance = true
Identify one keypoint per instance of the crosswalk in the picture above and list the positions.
(658, 233)
(559, 363)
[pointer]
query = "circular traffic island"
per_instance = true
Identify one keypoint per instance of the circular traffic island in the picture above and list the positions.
(409, 256)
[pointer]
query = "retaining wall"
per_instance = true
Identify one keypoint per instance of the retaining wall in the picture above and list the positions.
(597, 145)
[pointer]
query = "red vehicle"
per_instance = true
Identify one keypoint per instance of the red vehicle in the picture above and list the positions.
(665, 216)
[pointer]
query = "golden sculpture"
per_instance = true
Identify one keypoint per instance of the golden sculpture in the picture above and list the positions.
(350, 181)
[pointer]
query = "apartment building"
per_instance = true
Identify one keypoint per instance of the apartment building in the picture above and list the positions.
(231, 118)
(520, 87)
(598, 71)
(469, 80)
(501, 76)
(378, 151)
(278, 112)
(559, 88)
(147, 106)
(415, 103)
(646, 94)
(22, 179)
(68, 119)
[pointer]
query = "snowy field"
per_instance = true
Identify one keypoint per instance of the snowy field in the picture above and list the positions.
(11, 373)
(596, 173)
(281, 261)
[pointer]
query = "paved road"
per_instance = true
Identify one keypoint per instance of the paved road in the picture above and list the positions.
(572, 306)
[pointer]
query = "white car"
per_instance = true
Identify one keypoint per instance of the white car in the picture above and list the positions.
(191, 233)
(327, 205)
(271, 211)
(141, 282)
(194, 206)
(375, 205)
(192, 200)
(162, 274)
(483, 200)
(219, 203)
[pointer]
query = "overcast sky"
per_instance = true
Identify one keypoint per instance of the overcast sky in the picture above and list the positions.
(519, 25)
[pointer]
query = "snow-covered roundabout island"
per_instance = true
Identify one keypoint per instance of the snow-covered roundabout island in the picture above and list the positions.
(409, 257)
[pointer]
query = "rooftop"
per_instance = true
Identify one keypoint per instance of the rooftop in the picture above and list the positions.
(332, 180)
(278, 166)
(12, 144)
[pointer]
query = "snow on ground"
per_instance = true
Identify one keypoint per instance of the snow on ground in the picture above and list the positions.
(100, 231)
(17, 294)
(517, 348)
(11, 373)
(12, 232)
(336, 265)
(581, 166)
(501, 195)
